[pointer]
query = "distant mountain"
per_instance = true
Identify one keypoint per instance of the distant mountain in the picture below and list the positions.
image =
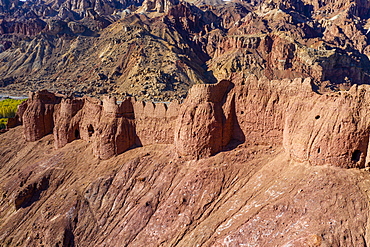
(157, 49)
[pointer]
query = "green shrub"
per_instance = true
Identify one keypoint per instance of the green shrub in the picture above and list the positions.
(3, 122)
(8, 107)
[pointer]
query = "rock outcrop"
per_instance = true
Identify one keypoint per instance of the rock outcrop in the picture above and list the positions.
(108, 126)
(112, 128)
(155, 122)
(203, 127)
(323, 129)
(330, 129)
(29, 27)
(149, 196)
(259, 159)
(39, 115)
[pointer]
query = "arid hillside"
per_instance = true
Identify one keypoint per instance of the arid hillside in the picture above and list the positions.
(254, 163)
(185, 123)
(148, 196)
(158, 49)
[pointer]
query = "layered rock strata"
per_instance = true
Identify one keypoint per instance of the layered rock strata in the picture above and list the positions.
(323, 129)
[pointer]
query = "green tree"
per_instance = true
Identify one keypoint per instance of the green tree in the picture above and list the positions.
(8, 109)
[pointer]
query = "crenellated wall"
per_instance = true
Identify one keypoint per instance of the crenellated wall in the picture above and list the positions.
(261, 107)
(330, 129)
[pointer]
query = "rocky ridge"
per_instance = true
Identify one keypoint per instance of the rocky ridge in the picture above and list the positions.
(274, 154)
(242, 162)
(320, 129)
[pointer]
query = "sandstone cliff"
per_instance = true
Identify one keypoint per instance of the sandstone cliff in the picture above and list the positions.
(323, 129)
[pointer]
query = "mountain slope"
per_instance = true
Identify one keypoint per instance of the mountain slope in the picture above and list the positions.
(251, 195)
(157, 50)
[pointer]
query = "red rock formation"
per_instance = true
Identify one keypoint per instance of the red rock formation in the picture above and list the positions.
(155, 122)
(330, 129)
(202, 128)
(38, 117)
(148, 196)
(66, 128)
(321, 129)
(110, 127)
(115, 132)
(29, 27)
(285, 141)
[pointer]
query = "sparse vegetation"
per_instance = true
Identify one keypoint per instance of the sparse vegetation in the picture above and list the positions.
(8, 109)
(3, 122)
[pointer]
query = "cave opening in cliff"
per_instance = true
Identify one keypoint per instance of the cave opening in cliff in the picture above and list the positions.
(90, 130)
(356, 155)
(77, 134)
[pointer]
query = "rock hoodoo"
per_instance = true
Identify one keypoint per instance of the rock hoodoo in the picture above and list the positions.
(203, 125)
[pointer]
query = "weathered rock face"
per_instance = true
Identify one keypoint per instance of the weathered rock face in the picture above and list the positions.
(115, 132)
(29, 27)
(155, 123)
(283, 145)
(256, 160)
(108, 126)
(38, 117)
(201, 128)
(66, 128)
(333, 129)
(322, 129)
(276, 56)
(328, 129)
(150, 197)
